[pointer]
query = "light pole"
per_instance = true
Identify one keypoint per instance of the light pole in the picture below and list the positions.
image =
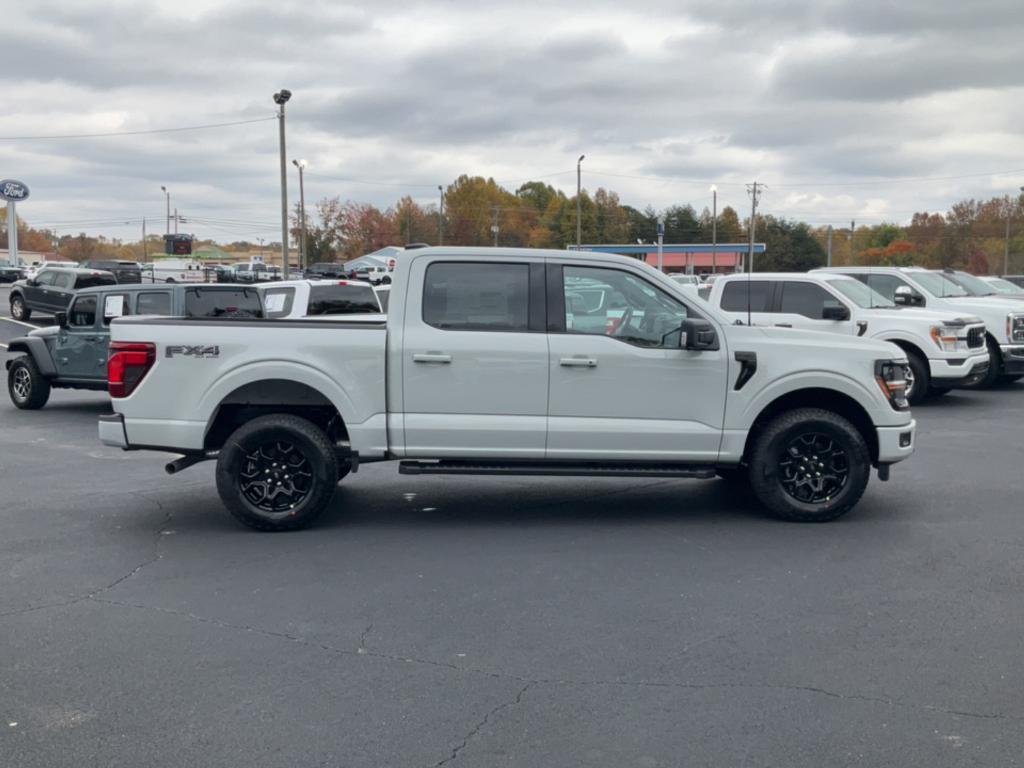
(1006, 247)
(168, 196)
(281, 98)
(714, 229)
(579, 190)
(440, 217)
(303, 257)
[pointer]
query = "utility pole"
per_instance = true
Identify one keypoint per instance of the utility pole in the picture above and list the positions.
(303, 256)
(661, 244)
(168, 196)
(281, 98)
(494, 226)
(579, 208)
(853, 229)
(175, 221)
(829, 262)
(440, 217)
(754, 194)
(145, 245)
(714, 229)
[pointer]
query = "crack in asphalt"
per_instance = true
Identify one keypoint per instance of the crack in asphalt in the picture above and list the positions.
(362, 638)
(157, 555)
(476, 728)
(555, 681)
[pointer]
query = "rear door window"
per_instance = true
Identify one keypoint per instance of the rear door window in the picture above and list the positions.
(88, 281)
(736, 292)
(212, 302)
(114, 305)
(153, 303)
(807, 299)
(342, 300)
(466, 296)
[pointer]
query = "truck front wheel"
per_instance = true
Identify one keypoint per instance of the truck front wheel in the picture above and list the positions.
(277, 472)
(809, 465)
(28, 388)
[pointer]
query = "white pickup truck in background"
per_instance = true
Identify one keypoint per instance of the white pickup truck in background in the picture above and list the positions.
(478, 370)
(320, 298)
(945, 351)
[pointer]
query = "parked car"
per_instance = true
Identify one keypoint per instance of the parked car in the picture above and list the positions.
(945, 351)
(38, 266)
(368, 269)
(73, 353)
(10, 272)
(476, 372)
(917, 287)
(325, 269)
(320, 298)
(124, 271)
(51, 290)
(1015, 279)
(173, 271)
(976, 286)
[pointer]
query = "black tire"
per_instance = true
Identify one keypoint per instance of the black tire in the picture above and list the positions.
(840, 458)
(1010, 378)
(939, 391)
(28, 388)
(919, 390)
(995, 366)
(18, 309)
(308, 464)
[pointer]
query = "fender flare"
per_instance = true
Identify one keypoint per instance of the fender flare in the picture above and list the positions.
(826, 380)
(37, 350)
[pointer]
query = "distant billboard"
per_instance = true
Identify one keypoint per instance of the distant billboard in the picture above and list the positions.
(178, 245)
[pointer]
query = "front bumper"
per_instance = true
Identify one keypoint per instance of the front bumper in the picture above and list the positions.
(112, 432)
(1013, 359)
(896, 443)
(959, 372)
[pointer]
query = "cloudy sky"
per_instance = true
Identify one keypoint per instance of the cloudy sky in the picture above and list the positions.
(845, 109)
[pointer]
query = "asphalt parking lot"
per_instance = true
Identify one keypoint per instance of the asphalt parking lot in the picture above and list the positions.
(431, 621)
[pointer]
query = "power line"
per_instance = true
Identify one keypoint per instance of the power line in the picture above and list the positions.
(137, 133)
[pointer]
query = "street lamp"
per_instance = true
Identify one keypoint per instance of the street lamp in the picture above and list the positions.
(440, 217)
(714, 229)
(303, 257)
(281, 98)
(168, 195)
(579, 188)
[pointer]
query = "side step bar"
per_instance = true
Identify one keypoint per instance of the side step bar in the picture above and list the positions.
(554, 468)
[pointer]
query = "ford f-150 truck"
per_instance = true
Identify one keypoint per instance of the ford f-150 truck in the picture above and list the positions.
(945, 351)
(508, 362)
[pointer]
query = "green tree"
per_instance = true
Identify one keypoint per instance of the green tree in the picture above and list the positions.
(789, 246)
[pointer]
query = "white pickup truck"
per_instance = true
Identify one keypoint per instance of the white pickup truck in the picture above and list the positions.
(945, 351)
(916, 287)
(510, 362)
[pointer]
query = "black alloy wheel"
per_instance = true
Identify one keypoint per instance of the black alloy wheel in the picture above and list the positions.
(275, 477)
(813, 468)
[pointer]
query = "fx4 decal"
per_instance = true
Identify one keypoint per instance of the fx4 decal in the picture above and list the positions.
(187, 350)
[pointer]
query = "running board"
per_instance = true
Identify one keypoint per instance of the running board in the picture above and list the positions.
(555, 468)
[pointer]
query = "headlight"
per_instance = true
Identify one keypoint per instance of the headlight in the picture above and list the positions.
(892, 379)
(1015, 328)
(947, 338)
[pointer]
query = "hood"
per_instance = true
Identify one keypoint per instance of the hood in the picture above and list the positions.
(50, 330)
(921, 314)
(986, 304)
(826, 342)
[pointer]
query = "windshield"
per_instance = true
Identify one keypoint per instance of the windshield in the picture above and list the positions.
(937, 285)
(971, 284)
(1004, 286)
(860, 294)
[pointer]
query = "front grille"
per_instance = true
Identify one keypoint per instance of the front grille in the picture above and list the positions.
(976, 337)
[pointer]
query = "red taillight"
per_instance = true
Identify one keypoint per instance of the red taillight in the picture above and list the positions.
(128, 363)
(343, 282)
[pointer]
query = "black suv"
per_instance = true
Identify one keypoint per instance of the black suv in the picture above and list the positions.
(51, 290)
(325, 269)
(9, 273)
(124, 271)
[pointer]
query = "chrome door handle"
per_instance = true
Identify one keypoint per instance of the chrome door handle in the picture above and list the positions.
(431, 357)
(578, 362)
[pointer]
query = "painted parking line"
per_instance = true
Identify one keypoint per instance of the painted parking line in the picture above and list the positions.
(19, 322)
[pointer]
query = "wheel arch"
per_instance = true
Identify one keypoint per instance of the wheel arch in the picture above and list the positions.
(817, 397)
(36, 349)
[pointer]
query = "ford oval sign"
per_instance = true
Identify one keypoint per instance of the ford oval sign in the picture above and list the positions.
(13, 190)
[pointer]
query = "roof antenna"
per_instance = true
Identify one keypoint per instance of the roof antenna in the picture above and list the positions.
(754, 192)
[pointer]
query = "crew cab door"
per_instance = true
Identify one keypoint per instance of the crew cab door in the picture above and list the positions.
(78, 344)
(804, 304)
(475, 359)
(621, 387)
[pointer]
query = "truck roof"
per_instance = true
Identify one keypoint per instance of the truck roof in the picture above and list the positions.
(136, 287)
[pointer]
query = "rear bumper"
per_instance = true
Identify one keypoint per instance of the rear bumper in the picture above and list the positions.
(1013, 359)
(111, 426)
(896, 443)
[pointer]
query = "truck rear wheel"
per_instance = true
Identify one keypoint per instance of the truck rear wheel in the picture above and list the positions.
(809, 465)
(28, 388)
(277, 473)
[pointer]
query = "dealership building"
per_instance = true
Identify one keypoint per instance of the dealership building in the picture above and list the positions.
(693, 258)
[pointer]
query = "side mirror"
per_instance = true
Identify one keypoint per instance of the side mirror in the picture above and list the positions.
(835, 310)
(31, 282)
(61, 318)
(697, 334)
(905, 296)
